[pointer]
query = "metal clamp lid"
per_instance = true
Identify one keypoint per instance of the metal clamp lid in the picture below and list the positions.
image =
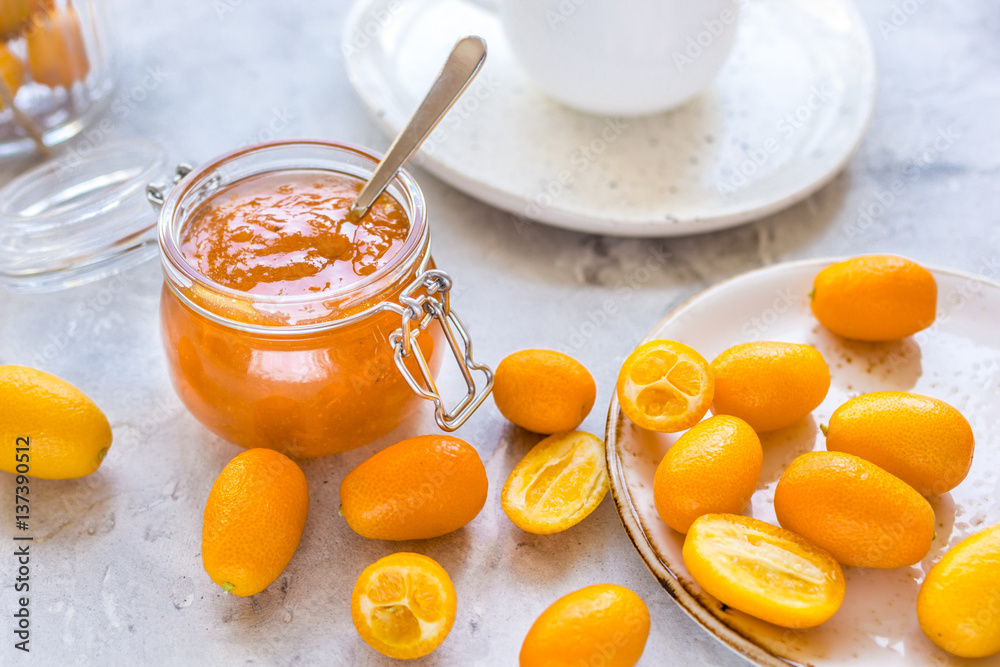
(417, 314)
(156, 193)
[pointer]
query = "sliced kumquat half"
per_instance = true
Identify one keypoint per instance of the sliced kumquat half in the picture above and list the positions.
(557, 484)
(404, 605)
(665, 386)
(763, 570)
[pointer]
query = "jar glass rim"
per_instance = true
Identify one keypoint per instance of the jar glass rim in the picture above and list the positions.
(173, 258)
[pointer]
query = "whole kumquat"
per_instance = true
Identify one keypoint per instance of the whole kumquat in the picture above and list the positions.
(769, 384)
(875, 298)
(416, 489)
(601, 624)
(254, 518)
(66, 434)
(543, 391)
(713, 468)
(922, 440)
(860, 513)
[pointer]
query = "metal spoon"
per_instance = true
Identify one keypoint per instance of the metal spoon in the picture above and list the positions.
(463, 64)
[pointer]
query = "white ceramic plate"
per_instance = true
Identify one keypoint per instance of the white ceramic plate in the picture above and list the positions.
(780, 121)
(957, 359)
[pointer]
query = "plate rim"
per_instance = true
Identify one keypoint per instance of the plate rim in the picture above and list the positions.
(514, 205)
(736, 641)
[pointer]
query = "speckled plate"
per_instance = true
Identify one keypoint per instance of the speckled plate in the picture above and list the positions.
(780, 121)
(957, 359)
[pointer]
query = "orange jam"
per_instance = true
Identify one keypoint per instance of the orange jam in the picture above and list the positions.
(288, 233)
(286, 236)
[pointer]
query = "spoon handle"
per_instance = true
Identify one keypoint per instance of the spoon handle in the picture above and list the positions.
(462, 65)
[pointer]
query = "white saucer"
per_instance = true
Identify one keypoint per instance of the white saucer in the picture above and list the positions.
(781, 120)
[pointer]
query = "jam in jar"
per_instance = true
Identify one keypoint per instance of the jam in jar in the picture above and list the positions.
(289, 325)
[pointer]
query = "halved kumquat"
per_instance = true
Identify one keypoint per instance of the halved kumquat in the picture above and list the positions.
(665, 386)
(557, 484)
(762, 570)
(404, 605)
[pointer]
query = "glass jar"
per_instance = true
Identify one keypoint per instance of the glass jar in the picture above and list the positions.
(315, 374)
(55, 70)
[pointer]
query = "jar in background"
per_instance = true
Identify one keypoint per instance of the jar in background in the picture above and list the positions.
(55, 70)
(312, 374)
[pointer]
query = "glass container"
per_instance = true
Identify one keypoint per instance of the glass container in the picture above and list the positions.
(56, 70)
(319, 373)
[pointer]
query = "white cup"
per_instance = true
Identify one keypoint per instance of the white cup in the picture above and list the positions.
(621, 57)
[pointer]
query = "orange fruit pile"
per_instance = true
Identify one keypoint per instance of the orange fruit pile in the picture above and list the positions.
(860, 503)
(54, 42)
